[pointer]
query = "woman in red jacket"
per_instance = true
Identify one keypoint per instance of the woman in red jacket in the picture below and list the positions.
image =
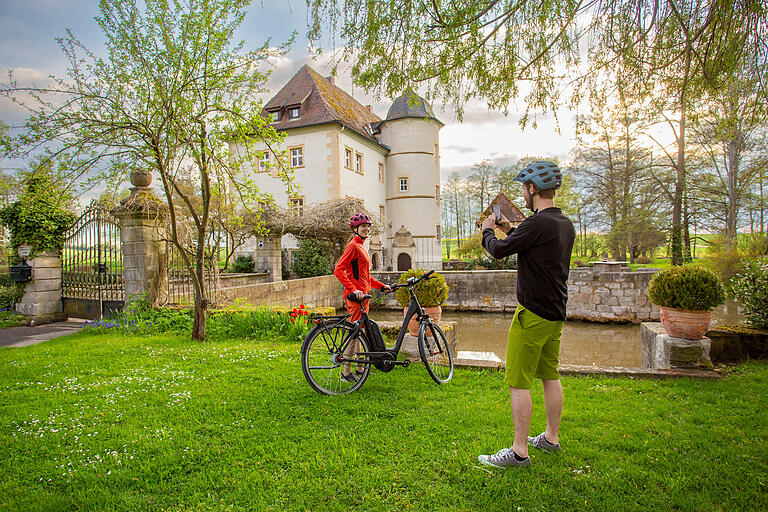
(352, 270)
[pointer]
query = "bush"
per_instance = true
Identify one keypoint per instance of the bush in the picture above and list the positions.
(431, 292)
(311, 259)
(750, 288)
(489, 263)
(243, 265)
(10, 294)
(686, 287)
(41, 214)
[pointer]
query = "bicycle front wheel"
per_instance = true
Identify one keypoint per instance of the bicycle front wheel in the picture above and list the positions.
(320, 360)
(435, 352)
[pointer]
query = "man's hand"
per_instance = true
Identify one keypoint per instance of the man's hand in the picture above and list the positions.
(358, 294)
(488, 222)
(505, 225)
(385, 288)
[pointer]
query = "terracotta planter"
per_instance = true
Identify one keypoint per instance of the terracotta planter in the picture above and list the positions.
(435, 313)
(686, 324)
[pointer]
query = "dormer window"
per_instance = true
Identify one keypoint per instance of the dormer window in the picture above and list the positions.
(294, 113)
(275, 116)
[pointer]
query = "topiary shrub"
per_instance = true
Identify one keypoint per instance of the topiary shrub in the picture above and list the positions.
(431, 292)
(243, 265)
(750, 288)
(686, 287)
(311, 259)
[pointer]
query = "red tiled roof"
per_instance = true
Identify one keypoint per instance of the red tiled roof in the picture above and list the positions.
(508, 209)
(321, 102)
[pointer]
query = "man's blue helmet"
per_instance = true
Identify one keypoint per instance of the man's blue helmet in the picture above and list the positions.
(542, 173)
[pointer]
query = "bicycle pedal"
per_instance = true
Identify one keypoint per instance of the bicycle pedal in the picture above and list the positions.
(406, 363)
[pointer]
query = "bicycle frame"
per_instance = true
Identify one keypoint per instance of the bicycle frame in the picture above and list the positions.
(414, 308)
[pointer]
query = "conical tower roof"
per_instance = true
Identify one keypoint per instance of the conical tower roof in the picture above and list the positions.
(411, 104)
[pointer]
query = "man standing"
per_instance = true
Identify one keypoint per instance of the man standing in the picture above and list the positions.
(543, 243)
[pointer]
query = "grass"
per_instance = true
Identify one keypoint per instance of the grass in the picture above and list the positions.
(108, 422)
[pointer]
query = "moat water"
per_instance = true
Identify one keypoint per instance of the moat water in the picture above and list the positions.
(482, 335)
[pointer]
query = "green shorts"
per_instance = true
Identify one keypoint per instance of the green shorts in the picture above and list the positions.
(533, 349)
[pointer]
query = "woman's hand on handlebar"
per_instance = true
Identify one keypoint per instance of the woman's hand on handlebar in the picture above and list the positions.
(359, 294)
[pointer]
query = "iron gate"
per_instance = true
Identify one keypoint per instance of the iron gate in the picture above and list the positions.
(92, 265)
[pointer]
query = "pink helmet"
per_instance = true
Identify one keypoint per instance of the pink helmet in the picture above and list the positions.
(359, 219)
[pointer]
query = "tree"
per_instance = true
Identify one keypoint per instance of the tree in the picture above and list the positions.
(171, 90)
(480, 184)
(615, 172)
(672, 53)
(459, 50)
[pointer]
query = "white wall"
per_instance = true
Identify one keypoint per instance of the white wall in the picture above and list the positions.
(412, 142)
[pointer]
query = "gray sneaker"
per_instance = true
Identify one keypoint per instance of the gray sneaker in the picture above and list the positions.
(504, 458)
(541, 443)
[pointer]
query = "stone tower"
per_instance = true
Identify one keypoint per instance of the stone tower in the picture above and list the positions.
(412, 133)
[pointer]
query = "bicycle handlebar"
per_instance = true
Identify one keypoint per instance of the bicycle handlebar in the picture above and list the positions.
(428, 275)
(354, 298)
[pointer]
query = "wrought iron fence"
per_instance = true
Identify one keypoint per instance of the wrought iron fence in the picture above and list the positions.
(92, 258)
(181, 290)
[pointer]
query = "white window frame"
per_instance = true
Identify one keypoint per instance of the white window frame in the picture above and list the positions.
(297, 160)
(437, 232)
(264, 161)
(402, 180)
(275, 116)
(348, 158)
(292, 111)
(381, 172)
(359, 163)
(297, 205)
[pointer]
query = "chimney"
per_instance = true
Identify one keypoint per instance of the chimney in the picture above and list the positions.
(370, 108)
(331, 79)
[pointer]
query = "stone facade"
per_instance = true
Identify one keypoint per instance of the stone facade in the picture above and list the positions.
(42, 295)
(660, 350)
(610, 296)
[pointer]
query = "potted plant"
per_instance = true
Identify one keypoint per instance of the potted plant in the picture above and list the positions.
(431, 294)
(686, 295)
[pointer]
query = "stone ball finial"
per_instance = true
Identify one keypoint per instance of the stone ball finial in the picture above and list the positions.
(141, 178)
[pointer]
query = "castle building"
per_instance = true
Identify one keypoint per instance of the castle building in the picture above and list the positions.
(339, 148)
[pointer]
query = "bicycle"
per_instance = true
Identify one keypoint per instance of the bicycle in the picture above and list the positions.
(332, 342)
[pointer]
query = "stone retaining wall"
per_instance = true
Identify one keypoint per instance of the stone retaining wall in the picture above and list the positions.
(610, 296)
(606, 297)
(313, 291)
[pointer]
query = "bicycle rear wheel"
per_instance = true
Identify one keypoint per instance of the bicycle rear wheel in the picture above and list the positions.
(435, 351)
(320, 360)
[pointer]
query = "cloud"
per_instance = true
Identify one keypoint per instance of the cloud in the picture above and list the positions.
(23, 75)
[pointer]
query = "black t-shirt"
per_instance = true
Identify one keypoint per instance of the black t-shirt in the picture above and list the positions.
(543, 243)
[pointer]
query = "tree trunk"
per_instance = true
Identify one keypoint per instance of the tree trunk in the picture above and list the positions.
(201, 314)
(677, 206)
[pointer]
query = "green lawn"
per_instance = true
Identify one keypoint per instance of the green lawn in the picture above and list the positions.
(104, 422)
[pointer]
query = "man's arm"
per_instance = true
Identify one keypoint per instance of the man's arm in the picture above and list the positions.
(517, 240)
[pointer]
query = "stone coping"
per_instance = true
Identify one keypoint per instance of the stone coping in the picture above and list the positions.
(605, 371)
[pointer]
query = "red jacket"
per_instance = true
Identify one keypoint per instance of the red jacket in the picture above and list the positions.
(352, 268)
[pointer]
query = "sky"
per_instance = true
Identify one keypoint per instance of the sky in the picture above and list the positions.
(28, 29)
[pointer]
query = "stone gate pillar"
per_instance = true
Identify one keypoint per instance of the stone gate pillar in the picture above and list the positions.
(42, 295)
(142, 216)
(268, 256)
